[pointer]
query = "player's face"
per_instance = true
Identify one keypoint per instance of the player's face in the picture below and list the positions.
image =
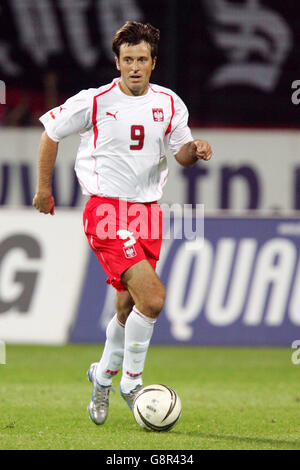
(135, 64)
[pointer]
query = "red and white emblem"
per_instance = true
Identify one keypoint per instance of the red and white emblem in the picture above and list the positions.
(60, 110)
(129, 252)
(158, 114)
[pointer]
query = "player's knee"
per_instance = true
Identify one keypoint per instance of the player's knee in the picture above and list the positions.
(154, 302)
(156, 307)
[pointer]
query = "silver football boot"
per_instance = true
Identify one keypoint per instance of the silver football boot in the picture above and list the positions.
(98, 407)
(131, 396)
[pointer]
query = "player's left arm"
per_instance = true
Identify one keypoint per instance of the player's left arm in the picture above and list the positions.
(186, 150)
(193, 151)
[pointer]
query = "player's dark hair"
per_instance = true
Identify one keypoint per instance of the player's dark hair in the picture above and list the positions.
(133, 33)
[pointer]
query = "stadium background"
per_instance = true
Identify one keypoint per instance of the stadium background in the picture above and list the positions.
(235, 64)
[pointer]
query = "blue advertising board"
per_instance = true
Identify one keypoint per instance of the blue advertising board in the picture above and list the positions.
(242, 287)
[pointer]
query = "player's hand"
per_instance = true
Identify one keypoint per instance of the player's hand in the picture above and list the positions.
(44, 202)
(202, 150)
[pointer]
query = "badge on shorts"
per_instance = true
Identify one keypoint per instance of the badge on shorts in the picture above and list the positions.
(129, 251)
(158, 114)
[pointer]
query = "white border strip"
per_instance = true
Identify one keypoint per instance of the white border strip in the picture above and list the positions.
(2, 352)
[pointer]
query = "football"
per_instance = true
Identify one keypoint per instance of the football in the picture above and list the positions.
(157, 408)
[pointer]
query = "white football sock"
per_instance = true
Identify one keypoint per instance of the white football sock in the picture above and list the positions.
(138, 333)
(112, 356)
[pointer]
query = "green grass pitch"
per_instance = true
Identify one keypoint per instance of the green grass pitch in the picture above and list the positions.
(232, 398)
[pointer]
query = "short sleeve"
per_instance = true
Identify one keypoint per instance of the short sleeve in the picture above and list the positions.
(180, 133)
(70, 118)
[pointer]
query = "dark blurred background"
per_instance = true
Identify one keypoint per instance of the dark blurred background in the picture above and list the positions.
(232, 62)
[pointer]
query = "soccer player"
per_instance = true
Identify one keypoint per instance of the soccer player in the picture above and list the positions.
(125, 127)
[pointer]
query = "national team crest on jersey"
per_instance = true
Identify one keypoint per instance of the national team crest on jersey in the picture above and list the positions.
(129, 252)
(158, 114)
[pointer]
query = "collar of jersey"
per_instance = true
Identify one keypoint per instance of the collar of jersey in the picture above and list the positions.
(120, 92)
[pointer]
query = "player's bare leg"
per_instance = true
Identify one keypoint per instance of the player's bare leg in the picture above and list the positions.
(148, 294)
(146, 289)
(124, 304)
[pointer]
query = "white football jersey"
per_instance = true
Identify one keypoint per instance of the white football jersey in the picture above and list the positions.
(122, 152)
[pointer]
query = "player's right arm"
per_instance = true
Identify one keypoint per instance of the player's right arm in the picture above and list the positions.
(72, 117)
(43, 200)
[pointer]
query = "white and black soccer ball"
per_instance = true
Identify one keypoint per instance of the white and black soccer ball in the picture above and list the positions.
(157, 408)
